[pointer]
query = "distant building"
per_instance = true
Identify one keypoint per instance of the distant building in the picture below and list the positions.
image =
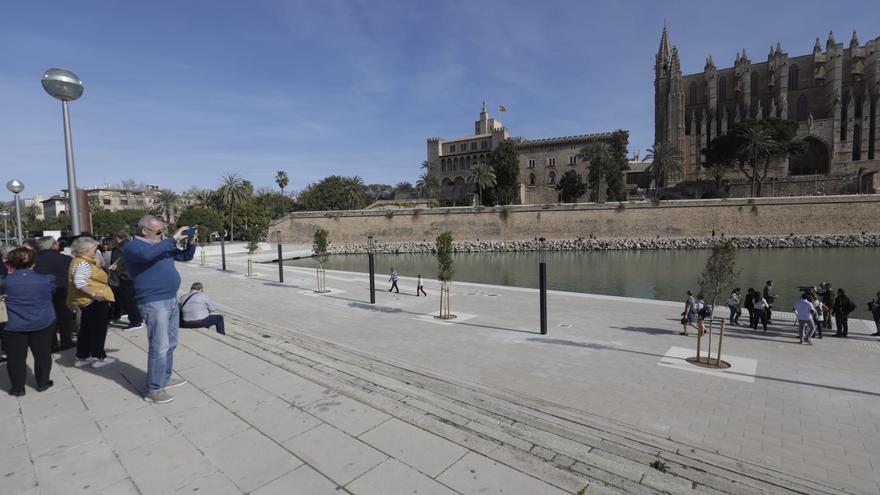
(56, 206)
(832, 94)
(542, 162)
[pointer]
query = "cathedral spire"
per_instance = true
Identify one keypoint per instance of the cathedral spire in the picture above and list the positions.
(818, 46)
(484, 108)
(855, 39)
(831, 41)
(778, 48)
(664, 51)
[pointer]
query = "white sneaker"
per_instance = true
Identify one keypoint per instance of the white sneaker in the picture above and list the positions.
(103, 362)
(79, 363)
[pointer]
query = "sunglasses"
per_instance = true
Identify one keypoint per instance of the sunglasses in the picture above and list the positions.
(157, 232)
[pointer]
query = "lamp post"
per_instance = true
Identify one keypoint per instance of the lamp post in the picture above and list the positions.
(16, 187)
(372, 270)
(280, 259)
(5, 216)
(66, 86)
(542, 284)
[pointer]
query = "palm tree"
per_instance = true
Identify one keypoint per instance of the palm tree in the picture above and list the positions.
(665, 158)
(232, 192)
(599, 156)
(426, 166)
(203, 197)
(282, 181)
(427, 184)
(354, 190)
(167, 202)
(483, 176)
(758, 142)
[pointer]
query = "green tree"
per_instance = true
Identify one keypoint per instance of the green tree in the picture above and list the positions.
(167, 203)
(665, 159)
(207, 220)
(483, 176)
(600, 162)
(720, 272)
(334, 193)
(571, 187)
(204, 197)
(106, 222)
(504, 161)
(282, 180)
(232, 192)
(617, 166)
(445, 271)
(320, 245)
(427, 184)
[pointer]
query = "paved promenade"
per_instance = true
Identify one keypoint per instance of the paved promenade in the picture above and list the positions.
(319, 394)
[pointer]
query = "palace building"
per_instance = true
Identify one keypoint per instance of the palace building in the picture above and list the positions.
(832, 93)
(542, 162)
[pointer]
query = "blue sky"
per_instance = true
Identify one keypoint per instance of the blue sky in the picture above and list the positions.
(180, 92)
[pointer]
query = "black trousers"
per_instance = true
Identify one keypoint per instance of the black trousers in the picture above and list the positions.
(126, 303)
(17, 344)
(842, 323)
(66, 320)
(92, 331)
(753, 318)
(394, 287)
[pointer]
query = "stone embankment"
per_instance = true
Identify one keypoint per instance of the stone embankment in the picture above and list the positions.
(752, 242)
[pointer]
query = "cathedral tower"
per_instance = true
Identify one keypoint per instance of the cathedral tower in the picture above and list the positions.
(668, 95)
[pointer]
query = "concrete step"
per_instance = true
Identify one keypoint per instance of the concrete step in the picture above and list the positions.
(564, 447)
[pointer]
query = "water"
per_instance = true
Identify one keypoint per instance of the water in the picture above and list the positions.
(663, 275)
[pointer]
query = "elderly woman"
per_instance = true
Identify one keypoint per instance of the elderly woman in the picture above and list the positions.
(89, 291)
(31, 321)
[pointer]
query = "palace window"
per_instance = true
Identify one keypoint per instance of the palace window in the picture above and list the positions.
(551, 179)
(754, 84)
(551, 162)
(106, 201)
(803, 108)
(692, 94)
(793, 77)
(857, 143)
(484, 145)
(473, 145)
(844, 116)
(452, 148)
(443, 165)
(572, 159)
(722, 88)
(531, 163)
(123, 202)
(532, 179)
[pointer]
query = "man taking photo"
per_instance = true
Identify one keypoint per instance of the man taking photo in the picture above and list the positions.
(150, 259)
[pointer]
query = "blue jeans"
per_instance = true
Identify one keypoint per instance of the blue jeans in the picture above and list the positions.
(734, 313)
(162, 322)
(211, 320)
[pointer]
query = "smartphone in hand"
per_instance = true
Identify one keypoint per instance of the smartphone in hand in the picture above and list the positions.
(192, 231)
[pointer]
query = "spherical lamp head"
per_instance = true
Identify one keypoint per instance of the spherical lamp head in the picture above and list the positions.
(15, 186)
(4, 214)
(62, 84)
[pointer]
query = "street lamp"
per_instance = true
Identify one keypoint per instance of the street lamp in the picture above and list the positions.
(66, 86)
(16, 187)
(5, 216)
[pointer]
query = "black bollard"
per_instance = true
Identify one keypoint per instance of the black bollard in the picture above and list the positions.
(372, 279)
(280, 264)
(223, 251)
(542, 275)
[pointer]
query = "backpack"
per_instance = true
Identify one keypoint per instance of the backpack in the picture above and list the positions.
(705, 311)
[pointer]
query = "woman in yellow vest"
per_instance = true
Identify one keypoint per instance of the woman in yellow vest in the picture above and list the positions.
(89, 291)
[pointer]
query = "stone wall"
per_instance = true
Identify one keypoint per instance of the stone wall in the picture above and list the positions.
(814, 215)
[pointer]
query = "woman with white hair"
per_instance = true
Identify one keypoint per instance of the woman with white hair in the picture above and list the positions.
(88, 290)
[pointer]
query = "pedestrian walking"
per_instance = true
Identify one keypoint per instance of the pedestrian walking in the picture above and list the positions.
(393, 281)
(150, 261)
(843, 306)
(761, 311)
(31, 321)
(420, 287)
(817, 314)
(874, 306)
(733, 304)
(749, 304)
(770, 298)
(689, 315)
(804, 312)
(828, 301)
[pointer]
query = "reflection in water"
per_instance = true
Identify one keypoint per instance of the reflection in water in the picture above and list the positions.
(663, 275)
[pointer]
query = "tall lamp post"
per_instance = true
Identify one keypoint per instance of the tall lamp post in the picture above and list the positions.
(372, 270)
(5, 216)
(66, 86)
(16, 187)
(542, 284)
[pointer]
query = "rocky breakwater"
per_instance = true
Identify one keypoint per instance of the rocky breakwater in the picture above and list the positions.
(586, 244)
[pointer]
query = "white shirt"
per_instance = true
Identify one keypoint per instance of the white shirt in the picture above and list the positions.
(803, 309)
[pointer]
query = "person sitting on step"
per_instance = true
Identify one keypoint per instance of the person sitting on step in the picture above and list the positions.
(196, 310)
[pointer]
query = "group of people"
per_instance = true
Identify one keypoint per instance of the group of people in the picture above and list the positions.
(420, 287)
(45, 290)
(813, 310)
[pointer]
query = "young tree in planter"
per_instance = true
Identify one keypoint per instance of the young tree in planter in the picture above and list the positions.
(319, 247)
(444, 273)
(720, 273)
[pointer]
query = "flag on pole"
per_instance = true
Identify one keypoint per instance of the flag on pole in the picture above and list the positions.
(502, 108)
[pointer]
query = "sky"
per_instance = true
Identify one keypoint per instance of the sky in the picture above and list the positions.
(179, 93)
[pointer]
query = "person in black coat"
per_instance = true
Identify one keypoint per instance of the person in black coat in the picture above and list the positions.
(50, 261)
(843, 306)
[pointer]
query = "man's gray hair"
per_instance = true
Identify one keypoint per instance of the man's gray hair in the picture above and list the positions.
(45, 243)
(145, 222)
(6, 249)
(197, 286)
(123, 235)
(82, 244)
